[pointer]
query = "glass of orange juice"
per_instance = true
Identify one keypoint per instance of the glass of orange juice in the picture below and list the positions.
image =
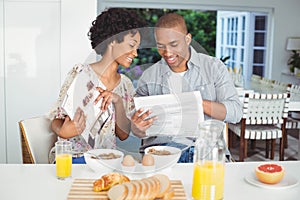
(63, 159)
(209, 159)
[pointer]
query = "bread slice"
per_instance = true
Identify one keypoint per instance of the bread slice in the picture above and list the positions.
(150, 188)
(139, 191)
(155, 188)
(165, 184)
(117, 192)
(145, 190)
(147, 187)
(131, 190)
(156, 182)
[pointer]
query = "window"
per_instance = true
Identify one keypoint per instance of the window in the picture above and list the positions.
(242, 36)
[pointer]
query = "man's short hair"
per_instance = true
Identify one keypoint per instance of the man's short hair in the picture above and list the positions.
(171, 20)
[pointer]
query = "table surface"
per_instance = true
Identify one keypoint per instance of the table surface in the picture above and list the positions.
(27, 181)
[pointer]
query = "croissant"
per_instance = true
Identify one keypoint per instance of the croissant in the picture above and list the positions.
(109, 180)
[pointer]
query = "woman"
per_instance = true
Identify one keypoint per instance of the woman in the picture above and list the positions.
(115, 36)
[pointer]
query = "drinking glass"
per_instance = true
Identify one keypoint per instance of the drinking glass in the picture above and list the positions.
(209, 159)
(63, 157)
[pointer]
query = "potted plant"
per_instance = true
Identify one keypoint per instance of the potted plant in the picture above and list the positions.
(294, 62)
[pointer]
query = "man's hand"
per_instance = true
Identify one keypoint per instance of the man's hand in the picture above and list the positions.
(139, 123)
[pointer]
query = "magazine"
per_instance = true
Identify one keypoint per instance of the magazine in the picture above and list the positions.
(82, 94)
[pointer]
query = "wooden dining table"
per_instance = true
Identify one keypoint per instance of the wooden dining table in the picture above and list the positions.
(38, 181)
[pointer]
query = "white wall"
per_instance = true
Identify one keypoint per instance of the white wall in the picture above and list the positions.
(287, 24)
(2, 97)
(76, 19)
(32, 35)
(43, 39)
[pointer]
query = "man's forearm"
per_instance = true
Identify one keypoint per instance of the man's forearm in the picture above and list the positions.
(214, 109)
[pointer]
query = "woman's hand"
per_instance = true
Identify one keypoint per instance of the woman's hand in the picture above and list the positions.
(139, 123)
(67, 128)
(107, 98)
(79, 121)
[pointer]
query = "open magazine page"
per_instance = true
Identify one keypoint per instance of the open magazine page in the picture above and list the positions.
(82, 94)
(178, 115)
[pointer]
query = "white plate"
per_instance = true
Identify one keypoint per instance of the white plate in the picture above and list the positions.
(286, 182)
(139, 169)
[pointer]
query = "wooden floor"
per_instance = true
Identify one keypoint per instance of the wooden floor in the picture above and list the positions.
(258, 154)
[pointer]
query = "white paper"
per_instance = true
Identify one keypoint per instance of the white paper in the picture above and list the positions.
(178, 114)
(82, 94)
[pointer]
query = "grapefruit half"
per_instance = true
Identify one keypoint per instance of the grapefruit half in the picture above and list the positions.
(269, 173)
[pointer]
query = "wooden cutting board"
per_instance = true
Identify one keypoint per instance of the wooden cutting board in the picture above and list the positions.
(83, 189)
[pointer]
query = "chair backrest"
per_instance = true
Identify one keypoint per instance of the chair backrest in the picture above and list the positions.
(295, 92)
(281, 87)
(265, 108)
(37, 139)
(256, 78)
(266, 81)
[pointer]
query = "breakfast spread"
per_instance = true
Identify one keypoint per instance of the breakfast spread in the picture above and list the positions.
(269, 173)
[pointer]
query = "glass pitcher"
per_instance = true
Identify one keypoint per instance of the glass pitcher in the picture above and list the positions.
(209, 160)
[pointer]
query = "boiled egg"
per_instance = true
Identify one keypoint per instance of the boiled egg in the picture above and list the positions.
(128, 161)
(148, 160)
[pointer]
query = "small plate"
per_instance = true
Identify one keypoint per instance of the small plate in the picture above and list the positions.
(286, 182)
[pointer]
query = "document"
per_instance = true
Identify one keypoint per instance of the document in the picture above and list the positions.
(177, 114)
(82, 94)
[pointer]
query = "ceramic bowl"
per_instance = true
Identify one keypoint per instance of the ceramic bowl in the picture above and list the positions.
(96, 163)
(164, 161)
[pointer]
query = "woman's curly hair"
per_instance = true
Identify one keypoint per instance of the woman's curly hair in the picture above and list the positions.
(113, 24)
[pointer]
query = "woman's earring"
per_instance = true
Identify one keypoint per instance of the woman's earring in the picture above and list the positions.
(112, 43)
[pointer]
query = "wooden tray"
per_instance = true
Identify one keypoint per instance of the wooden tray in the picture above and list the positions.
(83, 189)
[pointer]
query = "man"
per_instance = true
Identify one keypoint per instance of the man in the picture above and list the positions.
(182, 69)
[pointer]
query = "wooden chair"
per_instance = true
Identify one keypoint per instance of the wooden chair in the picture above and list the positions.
(281, 87)
(256, 78)
(266, 81)
(294, 124)
(264, 118)
(292, 121)
(295, 92)
(37, 139)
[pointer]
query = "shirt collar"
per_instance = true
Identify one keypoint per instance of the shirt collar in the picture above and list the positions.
(194, 60)
(165, 69)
